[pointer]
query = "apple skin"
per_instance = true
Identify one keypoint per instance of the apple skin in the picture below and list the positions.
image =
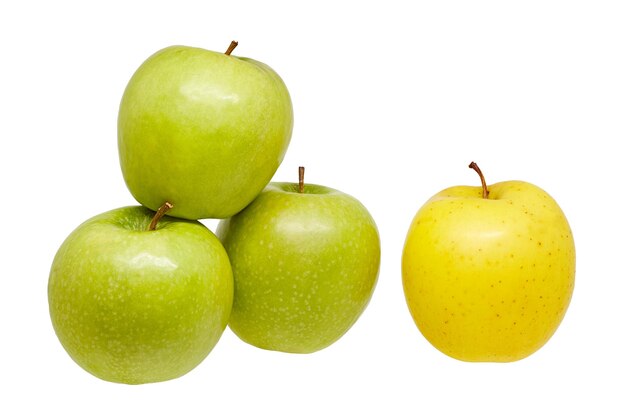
(136, 306)
(489, 279)
(203, 130)
(305, 266)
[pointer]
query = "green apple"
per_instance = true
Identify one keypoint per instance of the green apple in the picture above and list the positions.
(488, 272)
(135, 305)
(305, 264)
(203, 130)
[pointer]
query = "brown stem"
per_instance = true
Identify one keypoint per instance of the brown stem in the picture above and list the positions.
(231, 47)
(474, 166)
(159, 214)
(300, 180)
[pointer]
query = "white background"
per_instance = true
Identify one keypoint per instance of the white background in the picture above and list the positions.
(392, 100)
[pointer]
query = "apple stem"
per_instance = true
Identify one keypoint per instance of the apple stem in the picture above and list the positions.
(231, 47)
(159, 214)
(474, 166)
(300, 180)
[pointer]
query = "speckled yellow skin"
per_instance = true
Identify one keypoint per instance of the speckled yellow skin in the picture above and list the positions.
(489, 279)
(137, 306)
(305, 266)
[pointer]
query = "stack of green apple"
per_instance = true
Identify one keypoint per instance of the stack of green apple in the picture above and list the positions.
(142, 294)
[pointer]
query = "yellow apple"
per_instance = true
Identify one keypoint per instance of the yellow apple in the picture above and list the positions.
(488, 272)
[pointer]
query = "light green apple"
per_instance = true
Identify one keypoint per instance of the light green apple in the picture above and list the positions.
(134, 305)
(203, 130)
(305, 266)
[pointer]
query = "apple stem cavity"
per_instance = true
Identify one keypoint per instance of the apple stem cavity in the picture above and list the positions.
(475, 167)
(300, 180)
(167, 206)
(231, 47)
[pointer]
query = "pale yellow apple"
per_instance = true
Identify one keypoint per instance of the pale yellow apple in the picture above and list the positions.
(489, 279)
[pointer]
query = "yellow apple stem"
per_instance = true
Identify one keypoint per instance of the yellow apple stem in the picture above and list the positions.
(231, 47)
(474, 166)
(159, 214)
(300, 180)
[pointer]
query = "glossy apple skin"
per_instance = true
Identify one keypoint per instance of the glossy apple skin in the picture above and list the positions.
(137, 306)
(489, 279)
(305, 266)
(202, 130)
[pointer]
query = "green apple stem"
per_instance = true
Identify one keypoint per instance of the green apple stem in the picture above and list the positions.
(159, 214)
(231, 47)
(474, 166)
(300, 180)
